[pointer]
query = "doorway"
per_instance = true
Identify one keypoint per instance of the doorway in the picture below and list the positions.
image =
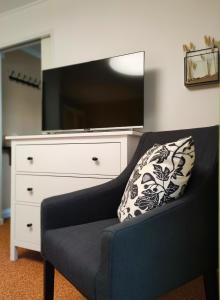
(21, 104)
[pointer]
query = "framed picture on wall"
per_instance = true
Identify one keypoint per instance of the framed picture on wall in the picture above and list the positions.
(201, 67)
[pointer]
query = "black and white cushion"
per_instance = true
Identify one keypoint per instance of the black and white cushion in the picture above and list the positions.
(160, 176)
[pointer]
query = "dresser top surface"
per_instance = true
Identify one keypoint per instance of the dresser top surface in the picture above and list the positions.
(74, 135)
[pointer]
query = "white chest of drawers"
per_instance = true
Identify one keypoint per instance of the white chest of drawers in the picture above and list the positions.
(47, 165)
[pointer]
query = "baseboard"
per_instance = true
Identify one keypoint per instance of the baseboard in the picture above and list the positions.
(6, 213)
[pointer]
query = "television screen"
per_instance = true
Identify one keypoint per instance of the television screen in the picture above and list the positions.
(107, 93)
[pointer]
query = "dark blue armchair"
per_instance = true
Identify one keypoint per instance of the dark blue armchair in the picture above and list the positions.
(144, 257)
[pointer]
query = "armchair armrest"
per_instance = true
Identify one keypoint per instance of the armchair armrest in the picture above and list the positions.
(164, 246)
(84, 206)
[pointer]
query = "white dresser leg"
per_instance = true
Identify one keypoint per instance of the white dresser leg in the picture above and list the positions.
(13, 253)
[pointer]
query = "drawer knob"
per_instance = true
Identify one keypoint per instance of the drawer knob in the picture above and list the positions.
(29, 189)
(94, 158)
(30, 158)
(29, 225)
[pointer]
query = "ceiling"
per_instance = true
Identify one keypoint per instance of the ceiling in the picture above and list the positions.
(7, 5)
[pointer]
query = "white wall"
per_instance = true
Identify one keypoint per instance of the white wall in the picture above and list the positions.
(88, 30)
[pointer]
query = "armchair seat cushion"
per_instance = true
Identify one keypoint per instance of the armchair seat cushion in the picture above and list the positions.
(75, 252)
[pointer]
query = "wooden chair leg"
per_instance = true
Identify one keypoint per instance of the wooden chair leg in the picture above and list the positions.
(211, 285)
(48, 281)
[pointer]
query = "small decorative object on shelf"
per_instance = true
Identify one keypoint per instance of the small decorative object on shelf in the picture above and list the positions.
(25, 79)
(201, 66)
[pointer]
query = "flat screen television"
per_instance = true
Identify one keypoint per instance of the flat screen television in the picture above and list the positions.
(102, 94)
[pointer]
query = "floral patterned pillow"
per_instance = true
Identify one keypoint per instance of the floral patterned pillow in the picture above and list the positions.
(160, 176)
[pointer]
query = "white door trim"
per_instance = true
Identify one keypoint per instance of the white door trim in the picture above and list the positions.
(26, 40)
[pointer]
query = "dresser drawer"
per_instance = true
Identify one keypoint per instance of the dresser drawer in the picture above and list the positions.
(27, 224)
(91, 159)
(33, 188)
